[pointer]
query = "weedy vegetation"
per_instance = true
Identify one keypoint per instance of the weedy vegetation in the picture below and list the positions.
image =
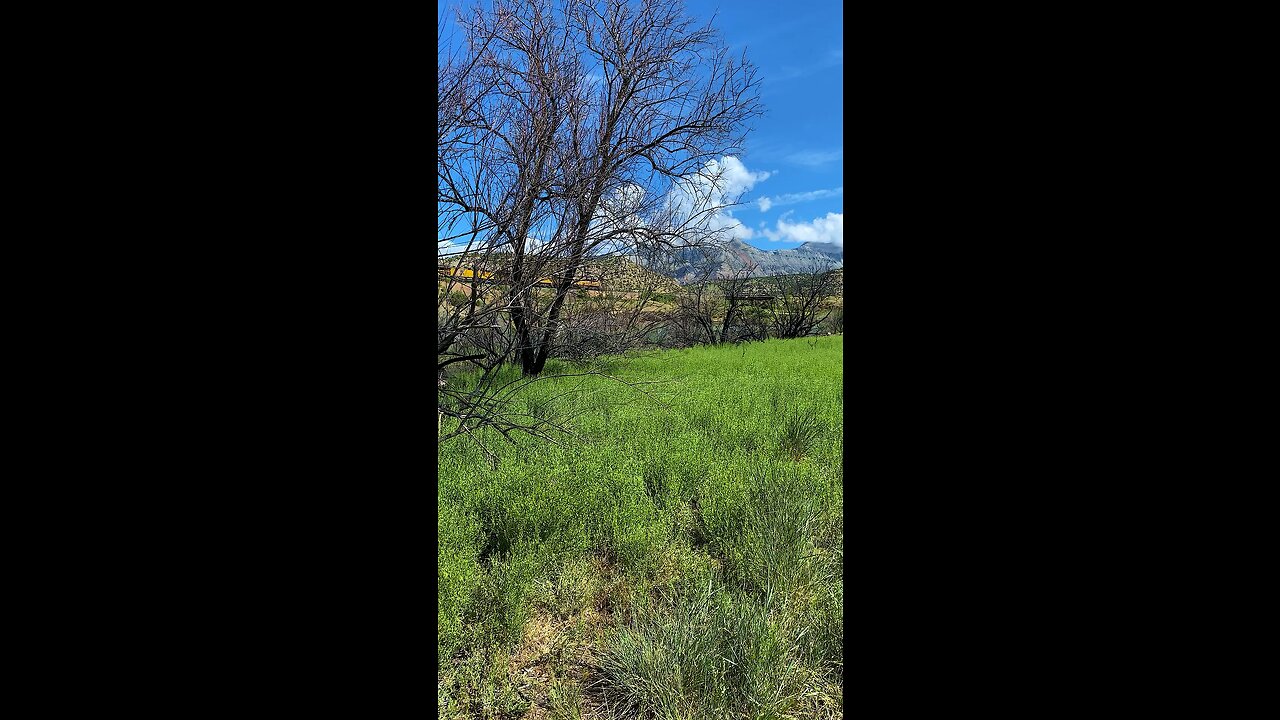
(681, 557)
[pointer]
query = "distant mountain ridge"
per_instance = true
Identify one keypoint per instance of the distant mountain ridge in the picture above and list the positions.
(736, 256)
(690, 263)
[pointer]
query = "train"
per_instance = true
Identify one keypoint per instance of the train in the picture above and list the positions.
(489, 277)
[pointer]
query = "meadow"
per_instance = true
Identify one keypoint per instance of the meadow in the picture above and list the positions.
(681, 556)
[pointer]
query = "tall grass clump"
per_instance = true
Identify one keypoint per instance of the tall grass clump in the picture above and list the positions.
(703, 655)
(768, 543)
(566, 700)
(799, 429)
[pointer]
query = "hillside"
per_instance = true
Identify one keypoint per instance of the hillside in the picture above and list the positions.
(624, 275)
(615, 274)
(736, 256)
(621, 274)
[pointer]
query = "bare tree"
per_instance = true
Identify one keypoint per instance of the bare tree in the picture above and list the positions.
(802, 301)
(601, 135)
(717, 305)
(464, 329)
(622, 311)
(569, 130)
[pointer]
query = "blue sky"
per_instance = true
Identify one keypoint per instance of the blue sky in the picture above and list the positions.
(799, 51)
(793, 166)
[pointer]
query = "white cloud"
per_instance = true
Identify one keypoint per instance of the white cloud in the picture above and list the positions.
(734, 176)
(623, 202)
(829, 229)
(695, 206)
(619, 212)
(793, 198)
(718, 183)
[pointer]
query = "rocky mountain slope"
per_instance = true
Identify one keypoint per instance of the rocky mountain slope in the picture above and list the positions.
(689, 265)
(736, 256)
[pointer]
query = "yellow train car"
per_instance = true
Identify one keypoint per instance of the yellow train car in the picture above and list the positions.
(583, 284)
(465, 273)
(484, 276)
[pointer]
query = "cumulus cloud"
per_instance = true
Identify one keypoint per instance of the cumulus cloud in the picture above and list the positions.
(619, 212)
(730, 177)
(718, 183)
(693, 209)
(829, 229)
(793, 198)
(622, 203)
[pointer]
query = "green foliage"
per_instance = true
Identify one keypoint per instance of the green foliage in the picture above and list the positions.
(566, 700)
(835, 321)
(705, 655)
(800, 428)
(574, 586)
(769, 546)
(724, 473)
(504, 598)
(458, 574)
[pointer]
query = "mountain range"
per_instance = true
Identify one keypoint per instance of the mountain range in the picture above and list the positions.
(736, 256)
(691, 264)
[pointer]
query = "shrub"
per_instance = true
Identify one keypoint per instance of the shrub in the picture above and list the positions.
(458, 298)
(835, 323)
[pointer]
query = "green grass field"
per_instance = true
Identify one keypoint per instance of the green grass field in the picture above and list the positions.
(682, 559)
